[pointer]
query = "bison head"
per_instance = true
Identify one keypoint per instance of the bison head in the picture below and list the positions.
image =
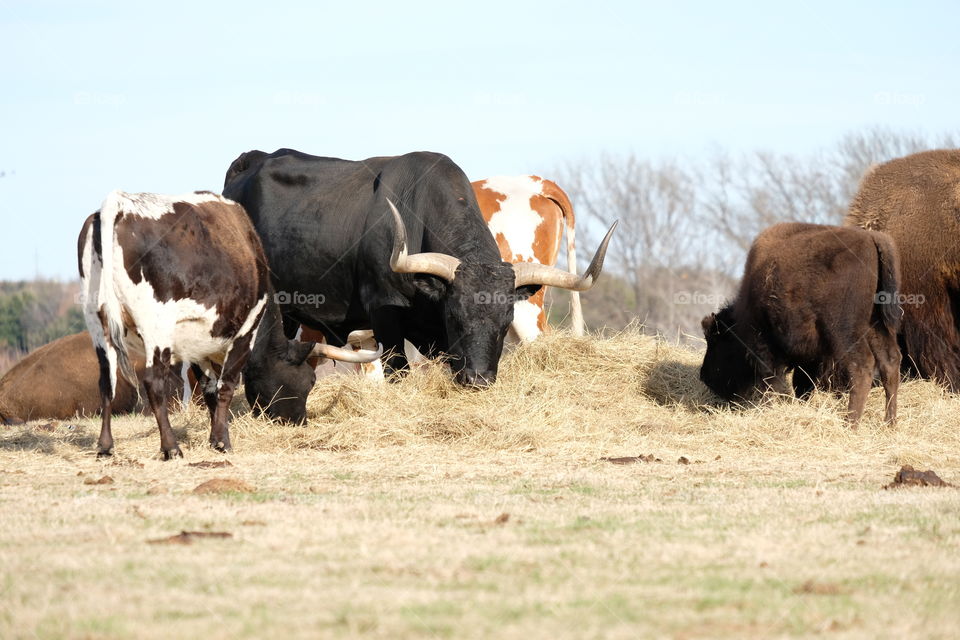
(477, 299)
(727, 368)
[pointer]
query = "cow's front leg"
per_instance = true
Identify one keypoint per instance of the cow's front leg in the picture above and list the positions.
(223, 392)
(389, 329)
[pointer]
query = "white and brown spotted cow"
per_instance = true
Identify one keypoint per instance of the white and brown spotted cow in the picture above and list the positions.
(527, 216)
(183, 279)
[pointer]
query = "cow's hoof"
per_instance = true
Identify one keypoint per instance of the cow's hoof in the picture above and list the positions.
(172, 453)
(104, 453)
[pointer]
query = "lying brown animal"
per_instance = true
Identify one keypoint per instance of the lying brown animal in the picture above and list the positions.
(916, 200)
(60, 380)
(818, 300)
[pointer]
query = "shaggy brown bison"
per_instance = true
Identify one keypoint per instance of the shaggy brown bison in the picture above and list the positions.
(815, 299)
(57, 381)
(916, 200)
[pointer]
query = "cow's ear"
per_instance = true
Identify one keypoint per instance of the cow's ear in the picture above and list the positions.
(527, 290)
(431, 286)
(707, 323)
(298, 352)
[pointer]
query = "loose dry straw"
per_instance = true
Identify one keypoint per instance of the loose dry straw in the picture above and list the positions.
(593, 393)
(584, 397)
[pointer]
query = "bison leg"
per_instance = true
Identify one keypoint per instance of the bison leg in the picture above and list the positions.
(229, 376)
(156, 379)
(777, 381)
(105, 442)
(859, 368)
(932, 338)
(886, 351)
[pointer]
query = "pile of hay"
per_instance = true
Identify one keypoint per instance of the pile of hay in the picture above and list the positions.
(578, 398)
(595, 394)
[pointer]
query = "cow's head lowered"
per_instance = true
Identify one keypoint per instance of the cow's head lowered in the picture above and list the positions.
(278, 378)
(729, 368)
(477, 299)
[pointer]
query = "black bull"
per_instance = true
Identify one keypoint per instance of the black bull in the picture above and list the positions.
(338, 265)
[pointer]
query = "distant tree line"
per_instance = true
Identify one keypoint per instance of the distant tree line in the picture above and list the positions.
(35, 313)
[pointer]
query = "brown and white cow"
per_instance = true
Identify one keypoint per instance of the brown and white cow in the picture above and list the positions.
(183, 279)
(527, 216)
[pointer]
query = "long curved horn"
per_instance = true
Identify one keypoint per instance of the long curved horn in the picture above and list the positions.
(322, 350)
(533, 273)
(436, 264)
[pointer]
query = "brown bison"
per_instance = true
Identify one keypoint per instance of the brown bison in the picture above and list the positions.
(818, 300)
(60, 380)
(916, 200)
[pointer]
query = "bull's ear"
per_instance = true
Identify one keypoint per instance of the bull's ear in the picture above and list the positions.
(431, 286)
(527, 290)
(707, 323)
(298, 352)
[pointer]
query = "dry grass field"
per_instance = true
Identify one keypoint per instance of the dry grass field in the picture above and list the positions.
(420, 510)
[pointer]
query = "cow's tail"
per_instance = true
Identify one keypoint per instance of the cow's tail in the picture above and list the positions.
(888, 281)
(558, 196)
(110, 308)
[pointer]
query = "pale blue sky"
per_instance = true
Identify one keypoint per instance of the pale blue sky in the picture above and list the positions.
(162, 96)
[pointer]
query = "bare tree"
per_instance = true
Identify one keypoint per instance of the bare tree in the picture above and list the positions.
(742, 196)
(685, 227)
(658, 271)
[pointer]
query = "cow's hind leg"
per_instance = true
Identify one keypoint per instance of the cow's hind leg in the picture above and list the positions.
(105, 442)
(207, 383)
(229, 377)
(156, 381)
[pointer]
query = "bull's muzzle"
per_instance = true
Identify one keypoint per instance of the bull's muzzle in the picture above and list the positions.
(476, 379)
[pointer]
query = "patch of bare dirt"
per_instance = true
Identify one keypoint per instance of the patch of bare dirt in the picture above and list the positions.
(223, 485)
(633, 459)
(815, 588)
(189, 537)
(210, 464)
(910, 477)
